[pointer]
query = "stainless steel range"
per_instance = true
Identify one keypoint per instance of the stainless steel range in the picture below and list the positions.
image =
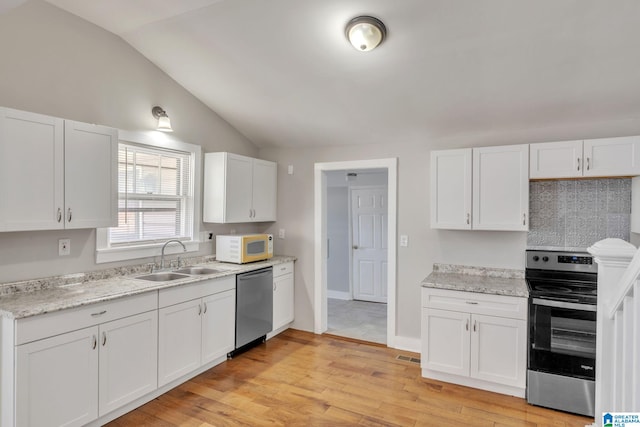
(562, 330)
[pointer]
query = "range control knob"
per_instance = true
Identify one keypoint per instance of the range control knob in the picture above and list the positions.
(545, 258)
(536, 258)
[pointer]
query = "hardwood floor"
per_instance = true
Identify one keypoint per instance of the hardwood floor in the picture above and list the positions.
(301, 379)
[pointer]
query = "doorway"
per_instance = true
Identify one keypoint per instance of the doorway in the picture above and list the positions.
(387, 283)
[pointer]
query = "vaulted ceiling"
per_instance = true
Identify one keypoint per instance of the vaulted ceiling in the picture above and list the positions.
(283, 73)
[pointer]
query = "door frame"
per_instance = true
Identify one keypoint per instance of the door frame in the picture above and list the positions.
(320, 238)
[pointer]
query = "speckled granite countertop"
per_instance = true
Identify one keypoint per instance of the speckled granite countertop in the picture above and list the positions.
(34, 297)
(495, 281)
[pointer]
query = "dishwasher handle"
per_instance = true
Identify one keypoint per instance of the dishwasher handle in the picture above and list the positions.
(254, 274)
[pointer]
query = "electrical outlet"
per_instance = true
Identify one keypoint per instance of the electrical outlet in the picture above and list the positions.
(281, 233)
(404, 240)
(290, 169)
(64, 247)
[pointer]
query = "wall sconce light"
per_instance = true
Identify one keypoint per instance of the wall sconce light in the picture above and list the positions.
(365, 32)
(164, 124)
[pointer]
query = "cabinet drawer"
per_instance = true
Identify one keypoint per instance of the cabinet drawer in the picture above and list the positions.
(179, 294)
(50, 324)
(475, 303)
(282, 269)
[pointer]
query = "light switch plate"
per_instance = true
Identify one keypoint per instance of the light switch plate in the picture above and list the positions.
(281, 233)
(64, 247)
(404, 240)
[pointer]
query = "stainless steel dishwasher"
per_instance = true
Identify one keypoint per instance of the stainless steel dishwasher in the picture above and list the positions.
(254, 308)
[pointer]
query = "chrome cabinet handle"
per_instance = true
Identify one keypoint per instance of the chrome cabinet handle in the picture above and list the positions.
(475, 326)
(524, 219)
(199, 309)
(578, 164)
(59, 214)
(588, 165)
(468, 218)
(104, 339)
(467, 325)
(95, 342)
(472, 302)
(205, 307)
(100, 313)
(69, 216)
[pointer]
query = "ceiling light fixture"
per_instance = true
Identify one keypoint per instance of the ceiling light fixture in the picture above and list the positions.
(164, 124)
(365, 32)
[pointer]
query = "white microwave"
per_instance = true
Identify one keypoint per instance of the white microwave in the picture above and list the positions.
(243, 248)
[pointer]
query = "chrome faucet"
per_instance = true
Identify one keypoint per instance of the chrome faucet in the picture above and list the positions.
(163, 248)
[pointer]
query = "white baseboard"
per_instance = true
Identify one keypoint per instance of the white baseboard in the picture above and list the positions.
(407, 344)
(339, 295)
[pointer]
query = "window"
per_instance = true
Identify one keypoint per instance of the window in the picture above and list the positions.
(156, 199)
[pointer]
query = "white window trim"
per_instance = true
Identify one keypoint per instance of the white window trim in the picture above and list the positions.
(104, 253)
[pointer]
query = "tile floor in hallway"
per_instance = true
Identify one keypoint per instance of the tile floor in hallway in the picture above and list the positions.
(361, 320)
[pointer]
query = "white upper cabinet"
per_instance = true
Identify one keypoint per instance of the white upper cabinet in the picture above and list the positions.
(482, 188)
(31, 171)
(555, 160)
(91, 175)
(56, 174)
(451, 189)
(603, 157)
(501, 188)
(238, 189)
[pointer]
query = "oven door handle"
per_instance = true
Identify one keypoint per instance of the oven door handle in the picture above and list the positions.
(563, 304)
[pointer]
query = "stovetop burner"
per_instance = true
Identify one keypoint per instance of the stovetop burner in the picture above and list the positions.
(562, 276)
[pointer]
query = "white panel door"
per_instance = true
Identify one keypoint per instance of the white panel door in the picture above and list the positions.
(128, 360)
(445, 341)
(91, 175)
(499, 350)
(239, 183)
(501, 188)
(555, 160)
(57, 380)
(265, 176)
(179, 340)
(369, 238)
(612, 156)
(31, 171)
(451, 189)
(218, 325)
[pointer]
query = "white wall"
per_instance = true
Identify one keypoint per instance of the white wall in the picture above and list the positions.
(58, 64)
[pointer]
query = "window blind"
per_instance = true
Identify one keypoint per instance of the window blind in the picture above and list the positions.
(155, 195)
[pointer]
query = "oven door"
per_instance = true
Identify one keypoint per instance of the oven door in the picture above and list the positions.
(562, 338)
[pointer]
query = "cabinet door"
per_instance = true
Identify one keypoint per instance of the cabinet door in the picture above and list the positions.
(451, 189)
(555, 160)
(31, 171)
(128, 360)
(499, 350)
(57, 380)
(91, 175)
(179, 340)
(501, 188)
(282, 300)
(239, 183)
(218, 325)
(265, 177)
(445, 341)
(612, 156)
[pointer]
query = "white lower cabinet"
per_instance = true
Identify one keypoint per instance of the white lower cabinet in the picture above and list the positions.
(72, 378)
(57, 380)
(477, 340)
(283, 302)
(196, 326)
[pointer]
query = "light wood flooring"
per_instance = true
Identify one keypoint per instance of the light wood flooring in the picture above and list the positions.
(301, 379)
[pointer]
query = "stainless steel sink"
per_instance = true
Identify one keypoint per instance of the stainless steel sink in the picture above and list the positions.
(199, 271)
(162, 277)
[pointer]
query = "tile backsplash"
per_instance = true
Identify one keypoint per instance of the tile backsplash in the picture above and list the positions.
(578, 213)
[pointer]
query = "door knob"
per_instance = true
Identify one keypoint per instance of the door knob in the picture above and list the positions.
(355, 246)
